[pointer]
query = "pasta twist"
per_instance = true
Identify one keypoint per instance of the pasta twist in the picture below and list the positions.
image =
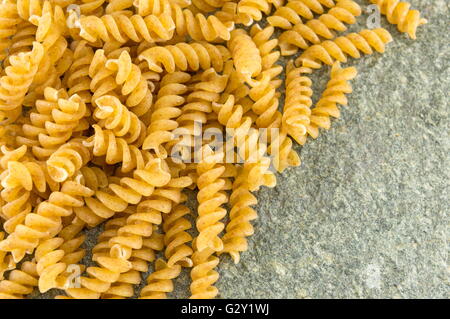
(195, 113)
(102, 80)
(6, 262)
(46, 220)
(343, 13)
(176, 238)
(398, 12)
(254, 8)
(266, 46)
(185, 56)
(239, 227)
(210, 198)
(77, 76)
(53, 122)
(116, 117)
(116, 150)
(134, 84)
(246, 139)
(8, 27)
(208, 5)
(246, 56)
(159, 282)
(329, 51)
(297, 102)
(67, 160)
(20, 282)
(22, 40)
(140, 259)
(334, 94)
(229, 14)
(165, 111)
(15, 83)
(123, 26)
(268, 116)
(55, 254)
(203, 274)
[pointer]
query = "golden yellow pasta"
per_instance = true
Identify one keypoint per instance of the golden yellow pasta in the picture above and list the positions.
(343, 13)
(334, 94)
(398, 12)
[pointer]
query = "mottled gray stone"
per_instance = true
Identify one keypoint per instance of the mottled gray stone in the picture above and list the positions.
(366, 215)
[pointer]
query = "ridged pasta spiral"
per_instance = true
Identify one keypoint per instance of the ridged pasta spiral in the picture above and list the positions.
(267, 49)
(77, 76)
(115, 150)
(160, 282)
(266, 108)
(6, 261)
(22, 40)
(20, 282)
(140, 258)
(176, 238)
(334, 94)
(123, 26)
(239, 226)
(246, 56)
(9, 19)
(329, 51)
(210, 198)
(185, 56)
(254, 8)
(18, 181)
(343, 13)
(398, 12)
(54, 255)
(53, 121)
(203, 274)
(297, 102)
(132, 82)
(67, 160)
(165, 111)
(247, 141)
(15, 83)
(115, 116)
(46, 219)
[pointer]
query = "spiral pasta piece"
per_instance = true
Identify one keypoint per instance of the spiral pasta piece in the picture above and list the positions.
(351, 44)
(17, 80)
(160, 282)
(334, 94)
(133, 83)
(77, 76)
(140, 259)
(6, 261)
(20, 282)
(345, 12)
(247, 141)
(54, 255)
(123, 26)
(115, 150)
(398, 13)
(46, 220)
(115, 116)
(266, 46)
(246, 56)
(297, 102)
(210, 198)
(53, 122)
(241, 213)
(67, 160)
(185, 56)
(203, 274)
(9, 19)
(165, 111)
(254, 8)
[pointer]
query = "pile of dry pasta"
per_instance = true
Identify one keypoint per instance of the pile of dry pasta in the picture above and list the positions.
(110, 109)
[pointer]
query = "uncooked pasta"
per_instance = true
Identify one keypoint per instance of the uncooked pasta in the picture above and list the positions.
(111, 110)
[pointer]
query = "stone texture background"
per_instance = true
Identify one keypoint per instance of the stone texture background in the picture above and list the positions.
(366, 215)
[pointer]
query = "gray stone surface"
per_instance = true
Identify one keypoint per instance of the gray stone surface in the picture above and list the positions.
(367, 213)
